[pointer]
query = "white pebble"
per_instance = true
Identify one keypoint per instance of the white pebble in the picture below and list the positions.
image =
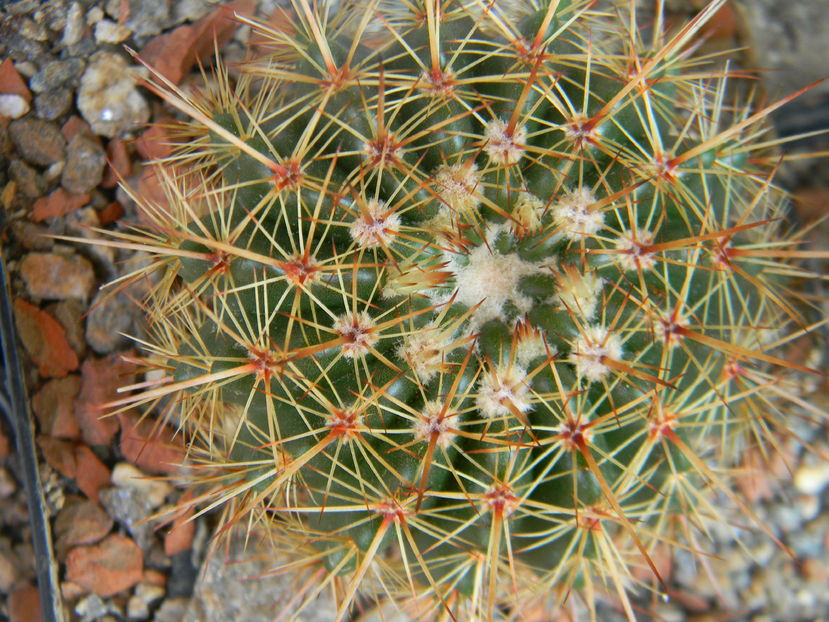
(13, 106)
(75, 26)
(107, 31)
(125, 475)
(811, 479)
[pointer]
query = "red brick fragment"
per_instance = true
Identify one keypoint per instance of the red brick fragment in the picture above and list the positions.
(11, 83)
(24, 604)
(45, 340)
(59, 203)
(101, 379)
(53, 407)
(119, 164)
(175, 53)
(91, 474)
(107, 568)
(180, 536)
(150, 445)
(60, 455)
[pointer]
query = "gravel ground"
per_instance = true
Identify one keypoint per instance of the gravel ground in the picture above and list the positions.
(72, 123)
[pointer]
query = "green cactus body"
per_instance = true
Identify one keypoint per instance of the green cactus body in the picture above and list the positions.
(466, 294)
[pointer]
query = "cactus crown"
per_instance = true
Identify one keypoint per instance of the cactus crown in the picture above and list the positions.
(466, 298)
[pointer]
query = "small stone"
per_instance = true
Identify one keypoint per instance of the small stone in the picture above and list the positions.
(7, 484)
(137, 609)
(94, 15)
(85, 161)
(51, 276)
(107, 97)
(28, 181)
(17, 46)
(71, 591)
(53, 171)
(80, 522)
(138, 606)
(154, 577)
(13, 106)
(107, 31)
(39, 142)
(59, 203)
(811, 479)
(148, 17)
(24, 604)
(172, 610)
(101, 379)
(31, 235)
(111, 317)
(53, 407)
(130, 507)
(75, 26)
(809, 506)
(56, 74)
(91, 474)
(91, 608)
(107, 568)
(9, 567)
(70, 315)
(31, 29)
(53, 104)
(155, 491)
(45, 340)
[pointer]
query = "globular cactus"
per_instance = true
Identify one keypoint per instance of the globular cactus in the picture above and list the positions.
(470, 302)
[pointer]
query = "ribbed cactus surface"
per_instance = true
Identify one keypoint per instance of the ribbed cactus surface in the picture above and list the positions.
(470, 300)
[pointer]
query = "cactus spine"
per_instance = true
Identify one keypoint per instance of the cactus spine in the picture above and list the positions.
(470, 301)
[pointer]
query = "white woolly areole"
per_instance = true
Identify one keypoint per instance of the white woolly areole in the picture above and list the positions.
(578, 214)
(356, 333)
(531, 348)
(579, 292)
(504, 147)
(432, 422)
(500, 388)
(458, 186)
(491, 279)
(592, 349)
(375, 226)
(424, 352)
(633, 256)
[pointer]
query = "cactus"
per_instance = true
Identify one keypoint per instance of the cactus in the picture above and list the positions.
(470, 303)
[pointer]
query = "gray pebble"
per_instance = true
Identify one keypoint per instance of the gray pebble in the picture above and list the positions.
(149, 17)
(57, 73)
(39, 142)
(84, 169)
(173, 610)
(52, 105)
(19, 47)
(110, 316)
(129, 506)
(29, 182)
